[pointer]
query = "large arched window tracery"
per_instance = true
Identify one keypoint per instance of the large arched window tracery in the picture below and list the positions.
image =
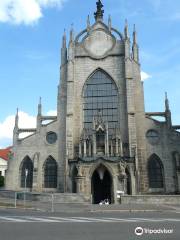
(100, 95)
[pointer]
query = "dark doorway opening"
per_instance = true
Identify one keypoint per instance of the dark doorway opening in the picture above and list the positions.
(128, 183)
(101, 186)
(74, 176)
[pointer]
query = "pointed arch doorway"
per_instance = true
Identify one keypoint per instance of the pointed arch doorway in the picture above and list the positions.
(101, 185)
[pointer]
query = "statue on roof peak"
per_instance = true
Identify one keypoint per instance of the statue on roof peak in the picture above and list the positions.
(99, 13)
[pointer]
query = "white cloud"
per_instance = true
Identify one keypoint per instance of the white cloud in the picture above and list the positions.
(52, 113)
(25, 11)
(51, 2)
(144, 76)
(25, 121)
(6, 127)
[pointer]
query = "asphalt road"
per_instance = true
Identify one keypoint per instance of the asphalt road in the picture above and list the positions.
(29, 225)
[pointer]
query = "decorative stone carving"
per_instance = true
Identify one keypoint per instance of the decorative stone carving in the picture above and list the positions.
(99, 43)
(99, 13)
(79, 168)
(122, 172)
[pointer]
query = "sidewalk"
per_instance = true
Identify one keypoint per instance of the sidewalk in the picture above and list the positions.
(114, 208)
(86, 207)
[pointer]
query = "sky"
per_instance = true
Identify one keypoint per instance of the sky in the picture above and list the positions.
(30, 40)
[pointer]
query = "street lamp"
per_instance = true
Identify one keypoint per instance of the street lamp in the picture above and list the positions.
(25, 185)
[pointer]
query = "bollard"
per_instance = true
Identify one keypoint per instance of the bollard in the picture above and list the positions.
(15, 200)
(24, 200)
(52, 206)
(119, 195)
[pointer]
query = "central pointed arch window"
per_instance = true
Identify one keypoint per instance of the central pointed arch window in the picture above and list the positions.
(100, 94)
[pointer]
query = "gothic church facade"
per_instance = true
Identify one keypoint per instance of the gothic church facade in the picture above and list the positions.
(102, 140)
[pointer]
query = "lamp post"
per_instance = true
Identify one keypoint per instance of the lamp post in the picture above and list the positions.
(25, 185)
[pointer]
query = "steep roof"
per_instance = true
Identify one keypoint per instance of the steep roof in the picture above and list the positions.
(4, 153)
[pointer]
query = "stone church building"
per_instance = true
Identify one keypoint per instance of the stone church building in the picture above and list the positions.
(102, 140)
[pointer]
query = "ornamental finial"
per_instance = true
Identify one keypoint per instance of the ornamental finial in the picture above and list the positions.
(126, 31)
(134, 35)
(39, 107)
(166, 102)
(99, 13)
(17, 119)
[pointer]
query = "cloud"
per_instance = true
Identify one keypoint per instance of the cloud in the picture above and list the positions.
(25, 11)
(52, 113)
(25, 121)
(6, 127)
(144, 76)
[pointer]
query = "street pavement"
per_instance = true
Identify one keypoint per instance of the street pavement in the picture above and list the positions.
(95, 223)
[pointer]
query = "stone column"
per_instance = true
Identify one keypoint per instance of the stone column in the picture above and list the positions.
(90, 153)
(78, 184)
(85, 150)
(35, 171)
(121, 148)
(80, 148)
(107, 141)
(111, 147)
(105, 144)
(117, 147)
(94, 143)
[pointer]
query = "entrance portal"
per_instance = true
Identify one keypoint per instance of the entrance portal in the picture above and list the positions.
(101, 185)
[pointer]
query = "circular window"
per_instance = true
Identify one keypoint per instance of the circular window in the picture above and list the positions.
(152, 136)
(51, 137)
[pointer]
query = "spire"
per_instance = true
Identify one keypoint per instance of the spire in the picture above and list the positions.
(134, 35)
(71, 34)
(166, 102)
(38, 119)
(167, 112)
(16, 129)
(64, 39)
(71, 44)
(64, 49)
(109, 23)
(127, 41)
(99, 13)
(17, 119)
(126, 30)
(135, 48)
(88, 23)
(39, 107)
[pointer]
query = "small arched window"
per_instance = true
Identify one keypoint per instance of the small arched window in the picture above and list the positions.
(27, 173)
(155, 171)
(50, 173)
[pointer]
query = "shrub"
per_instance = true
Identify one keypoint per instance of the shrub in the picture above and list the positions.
(1, 181)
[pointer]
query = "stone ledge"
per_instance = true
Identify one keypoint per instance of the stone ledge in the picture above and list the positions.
(151, 199)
